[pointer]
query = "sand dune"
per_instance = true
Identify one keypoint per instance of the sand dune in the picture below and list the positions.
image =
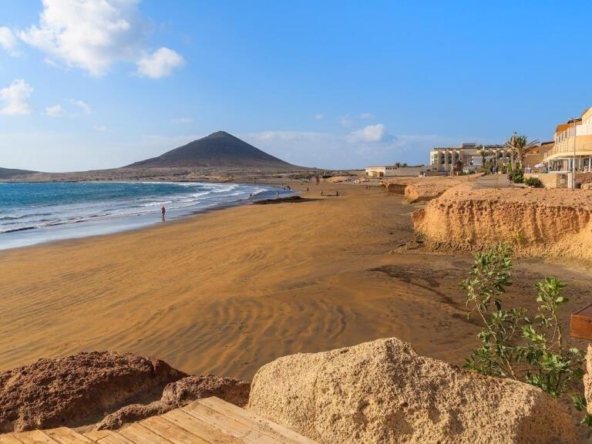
(227, 292)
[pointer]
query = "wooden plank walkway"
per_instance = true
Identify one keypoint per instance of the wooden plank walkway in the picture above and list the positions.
(206, 421)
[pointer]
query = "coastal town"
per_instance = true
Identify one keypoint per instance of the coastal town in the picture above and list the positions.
(569, 153)
(265, 222)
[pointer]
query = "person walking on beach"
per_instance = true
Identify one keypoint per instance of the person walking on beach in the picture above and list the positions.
(163, 211)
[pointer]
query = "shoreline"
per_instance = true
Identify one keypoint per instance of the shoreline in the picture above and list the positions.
(229, 291)
(31, 236)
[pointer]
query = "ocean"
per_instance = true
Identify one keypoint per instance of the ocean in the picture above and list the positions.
(32, 213)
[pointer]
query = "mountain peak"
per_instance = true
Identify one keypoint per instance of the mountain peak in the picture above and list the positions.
(220, 134)
(219, 149)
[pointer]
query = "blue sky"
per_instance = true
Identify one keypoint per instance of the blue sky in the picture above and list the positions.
(91, 84)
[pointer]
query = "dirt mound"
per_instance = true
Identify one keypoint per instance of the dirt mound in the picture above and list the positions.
(383, 392)
(178, 394)
(78, 389)
(538, 222)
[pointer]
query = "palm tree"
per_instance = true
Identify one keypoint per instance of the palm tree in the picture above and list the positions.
(518, 146)
(483, 152)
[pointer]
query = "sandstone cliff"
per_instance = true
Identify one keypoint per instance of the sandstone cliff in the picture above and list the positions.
(423, 189)
(539, 222)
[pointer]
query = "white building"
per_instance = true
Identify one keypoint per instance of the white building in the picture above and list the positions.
(466, 156)
(381, 171)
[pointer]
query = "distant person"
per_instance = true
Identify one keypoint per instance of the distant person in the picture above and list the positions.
(277, 194)
(163, 212)
(337, 193)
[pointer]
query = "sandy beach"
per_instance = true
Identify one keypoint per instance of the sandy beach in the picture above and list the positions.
(229, 291)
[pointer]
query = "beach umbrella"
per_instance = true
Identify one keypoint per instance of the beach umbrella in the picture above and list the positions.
(540, 165)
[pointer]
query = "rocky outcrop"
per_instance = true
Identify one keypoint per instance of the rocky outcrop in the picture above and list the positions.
(179, 394)
(78, 389)
(538, 222)
(423, 189)
(423, 192)
(383, 392)
(588, 380)
(83, 388)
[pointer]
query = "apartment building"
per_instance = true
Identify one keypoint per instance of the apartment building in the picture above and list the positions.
(573, 144)
(469, 154)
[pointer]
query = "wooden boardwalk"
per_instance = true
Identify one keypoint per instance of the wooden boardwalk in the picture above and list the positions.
(209, 420)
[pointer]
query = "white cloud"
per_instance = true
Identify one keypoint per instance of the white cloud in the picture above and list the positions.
(342, 151)
(160, 63)
(183, 120)
(372, 133)
(366, 116)
(347, 121)
(93, 35)
(84, 107)
(8, 40)
(319, 116)
(100, 128)
(54, 111)
(76, 151)
(16, 99)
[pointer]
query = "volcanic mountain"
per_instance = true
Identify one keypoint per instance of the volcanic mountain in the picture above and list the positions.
(219, 149)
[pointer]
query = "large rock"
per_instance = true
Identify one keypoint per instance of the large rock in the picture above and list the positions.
(78, 389)
(383, 392)
(588, 380)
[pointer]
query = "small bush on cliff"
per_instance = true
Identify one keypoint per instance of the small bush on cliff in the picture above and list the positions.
(533, 182)
(527, 348)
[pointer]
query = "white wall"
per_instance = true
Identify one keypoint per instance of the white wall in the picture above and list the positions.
(584, 130)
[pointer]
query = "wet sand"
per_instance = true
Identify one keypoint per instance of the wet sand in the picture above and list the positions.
(228, 291)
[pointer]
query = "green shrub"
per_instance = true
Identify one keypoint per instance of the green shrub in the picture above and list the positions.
(517, 175)
(533, 182)
(528, 348)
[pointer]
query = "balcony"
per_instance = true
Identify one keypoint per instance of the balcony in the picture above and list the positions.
(565, 148)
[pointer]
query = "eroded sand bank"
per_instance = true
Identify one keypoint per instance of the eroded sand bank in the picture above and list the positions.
(229, 291)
